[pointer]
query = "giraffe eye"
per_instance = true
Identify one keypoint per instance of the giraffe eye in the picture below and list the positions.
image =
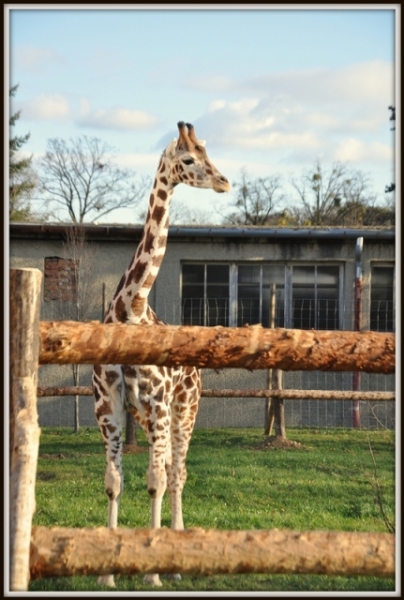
(188, 161)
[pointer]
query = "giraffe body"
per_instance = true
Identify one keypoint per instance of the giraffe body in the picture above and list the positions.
(163, 400)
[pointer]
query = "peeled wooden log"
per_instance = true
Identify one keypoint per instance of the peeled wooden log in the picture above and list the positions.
(25, 290)
(74, 390)
(87, 390)
(71, 342)
(299, 394)
(57, 552)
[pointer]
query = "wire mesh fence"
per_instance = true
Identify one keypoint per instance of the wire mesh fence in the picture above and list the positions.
(302, 313)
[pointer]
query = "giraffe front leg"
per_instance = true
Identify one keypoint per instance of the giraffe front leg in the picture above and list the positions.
(176, 480)
(110, 416)
(156, 486)
(113, 489)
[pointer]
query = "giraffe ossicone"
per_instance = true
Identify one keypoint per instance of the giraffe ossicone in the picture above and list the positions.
(163, 400)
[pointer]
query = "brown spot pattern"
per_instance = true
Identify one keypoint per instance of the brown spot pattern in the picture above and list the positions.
(103, 409)
(162, 194)
(120, 310)
(148, 244)
(158, 214)
(111, 376)
(138, 271)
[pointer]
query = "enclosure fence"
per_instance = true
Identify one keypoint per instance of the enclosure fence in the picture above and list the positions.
(39, 552)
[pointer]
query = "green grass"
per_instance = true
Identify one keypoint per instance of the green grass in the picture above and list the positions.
(232, 484)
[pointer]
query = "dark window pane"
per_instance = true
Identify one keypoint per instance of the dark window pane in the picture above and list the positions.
(192, 274)
(218, 274)
(248, 311)
(192, 311)
(202, 305)
(193, 294)
(273, 275)
(249, 274)
(327, 297)
(381, 298)
(303, 298)
(217, 291)
(217, 312)
(315, 297)
(278, 299)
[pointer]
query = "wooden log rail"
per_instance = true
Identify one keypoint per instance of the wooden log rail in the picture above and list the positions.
(71, 342)
(58, 551)
(87, 390)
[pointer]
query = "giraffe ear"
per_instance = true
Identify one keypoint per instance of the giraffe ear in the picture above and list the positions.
(171, 148)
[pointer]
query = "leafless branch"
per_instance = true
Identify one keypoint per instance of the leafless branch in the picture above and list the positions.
(80, 177)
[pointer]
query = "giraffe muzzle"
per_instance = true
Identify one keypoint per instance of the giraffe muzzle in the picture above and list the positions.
(221, 185)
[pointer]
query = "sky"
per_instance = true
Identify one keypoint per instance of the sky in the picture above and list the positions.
(271, 90)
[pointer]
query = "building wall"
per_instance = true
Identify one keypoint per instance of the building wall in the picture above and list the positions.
(112, 256)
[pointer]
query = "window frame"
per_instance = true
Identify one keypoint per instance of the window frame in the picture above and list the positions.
(288, 286)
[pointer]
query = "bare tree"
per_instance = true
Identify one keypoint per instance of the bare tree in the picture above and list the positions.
(80, 298)
(339, 196)
(81, 178)
(256, 199)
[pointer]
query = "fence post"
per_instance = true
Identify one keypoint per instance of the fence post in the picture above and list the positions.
(356, 377)
(274, 408)
(25, 289)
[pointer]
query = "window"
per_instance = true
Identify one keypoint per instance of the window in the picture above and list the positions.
(205, 294)
(260, 295)
(302, 297)
(382, 298)
(315, 297)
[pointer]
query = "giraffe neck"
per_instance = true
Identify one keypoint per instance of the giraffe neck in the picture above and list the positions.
(130, 299)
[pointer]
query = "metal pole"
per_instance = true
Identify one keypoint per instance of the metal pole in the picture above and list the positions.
(356, 378)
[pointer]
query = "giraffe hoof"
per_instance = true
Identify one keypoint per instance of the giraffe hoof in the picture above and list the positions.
(174, 577)
(153, 579)
(107, 580)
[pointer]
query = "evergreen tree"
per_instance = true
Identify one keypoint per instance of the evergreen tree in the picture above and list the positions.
(22, 178)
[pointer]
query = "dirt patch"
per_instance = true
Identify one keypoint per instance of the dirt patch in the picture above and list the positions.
(134, 449)
(279, 443)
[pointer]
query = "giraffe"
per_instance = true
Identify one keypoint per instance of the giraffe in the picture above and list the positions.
(163, 400)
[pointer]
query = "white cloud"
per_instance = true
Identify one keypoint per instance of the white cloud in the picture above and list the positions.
(49, 107)
(56, 107)
(295, 117)
(355, 150)
(116, 118)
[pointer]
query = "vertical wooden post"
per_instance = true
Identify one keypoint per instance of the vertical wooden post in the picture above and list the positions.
(358, 285)
(25, 294)
(274, 409)
(103, 302)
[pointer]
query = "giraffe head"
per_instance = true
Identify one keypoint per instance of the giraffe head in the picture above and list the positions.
(189, 163)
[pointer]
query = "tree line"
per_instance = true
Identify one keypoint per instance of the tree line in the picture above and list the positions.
(78, 181)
